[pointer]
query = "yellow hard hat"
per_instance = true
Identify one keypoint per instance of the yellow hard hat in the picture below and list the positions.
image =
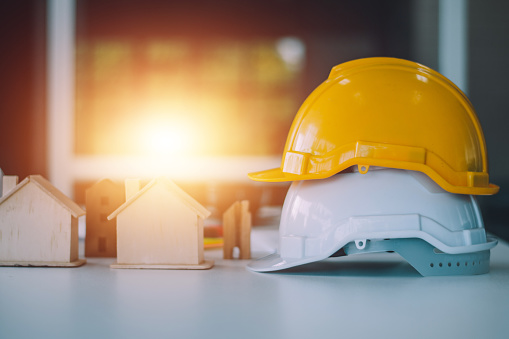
(391, 113)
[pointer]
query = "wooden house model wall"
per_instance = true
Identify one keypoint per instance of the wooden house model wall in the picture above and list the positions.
(237, 230)
(160, 227)
(38, 224)
(103, 198)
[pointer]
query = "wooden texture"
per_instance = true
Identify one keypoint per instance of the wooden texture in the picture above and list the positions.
(132, 186)
(160, 226)
(38, 225)
(101, 200)
(237, 230)
(76, 263)
(9, 182)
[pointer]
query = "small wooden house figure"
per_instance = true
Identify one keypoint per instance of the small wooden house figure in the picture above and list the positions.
(160, 227)
(103, 198)
(237, 230)
(38, 224)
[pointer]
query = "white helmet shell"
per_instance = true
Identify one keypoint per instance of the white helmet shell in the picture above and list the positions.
(380, 210)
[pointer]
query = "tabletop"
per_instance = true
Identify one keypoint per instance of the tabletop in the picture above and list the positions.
(369, 295)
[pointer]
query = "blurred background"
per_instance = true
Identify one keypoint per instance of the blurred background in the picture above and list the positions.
(205, 91)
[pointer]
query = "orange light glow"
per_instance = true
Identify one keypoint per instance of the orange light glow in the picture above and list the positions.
(164, 140)
(174, 97)
(167, 134)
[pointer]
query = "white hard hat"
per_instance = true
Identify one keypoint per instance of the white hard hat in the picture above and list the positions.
(437, 232)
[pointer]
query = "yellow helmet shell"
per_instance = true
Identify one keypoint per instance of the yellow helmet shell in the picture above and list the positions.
(391, 113)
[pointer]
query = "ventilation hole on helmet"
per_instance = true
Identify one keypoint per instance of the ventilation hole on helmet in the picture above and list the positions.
(449, 264)
(479, 262)
(431, 265)
(458, 263)
(466, 264)
(473, 262)
(440, 264)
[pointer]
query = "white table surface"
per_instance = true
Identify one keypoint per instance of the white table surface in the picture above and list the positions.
(363, 296)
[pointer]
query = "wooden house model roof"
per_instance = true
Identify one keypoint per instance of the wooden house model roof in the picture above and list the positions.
(171, 187)
(103, 182)
(50, 190)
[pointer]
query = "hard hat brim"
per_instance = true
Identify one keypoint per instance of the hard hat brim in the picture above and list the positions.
(274, 262)
(277, 175)
(417, 252)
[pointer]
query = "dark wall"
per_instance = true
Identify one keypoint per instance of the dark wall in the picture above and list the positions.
(488, 91)
(22, 87)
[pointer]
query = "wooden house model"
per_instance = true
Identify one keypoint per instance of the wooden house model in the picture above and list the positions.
(103, 198)
(160, 227)
(237, 230)
(38, 224)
